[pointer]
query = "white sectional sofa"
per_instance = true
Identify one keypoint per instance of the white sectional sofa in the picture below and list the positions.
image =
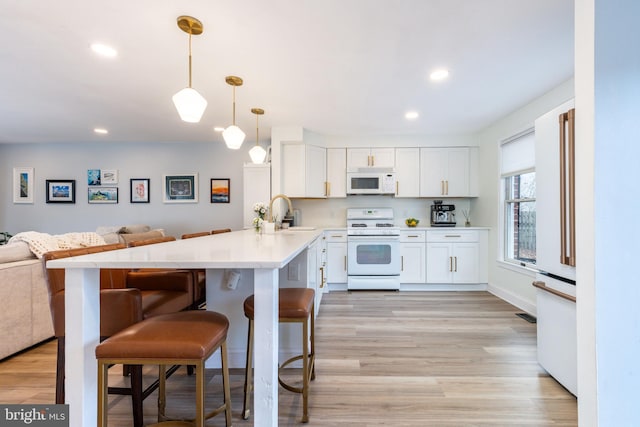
(25, 318)
(24, 301)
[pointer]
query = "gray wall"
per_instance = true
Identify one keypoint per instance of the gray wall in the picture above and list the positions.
(132, 160)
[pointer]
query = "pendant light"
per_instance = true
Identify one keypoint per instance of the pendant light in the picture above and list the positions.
(233, 135)
(189, 103)
(257, 153)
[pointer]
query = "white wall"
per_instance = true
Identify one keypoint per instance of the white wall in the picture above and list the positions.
(514, 286)
(607, 109)
(132, 160)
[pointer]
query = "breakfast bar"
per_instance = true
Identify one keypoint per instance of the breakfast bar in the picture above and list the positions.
(265, 254)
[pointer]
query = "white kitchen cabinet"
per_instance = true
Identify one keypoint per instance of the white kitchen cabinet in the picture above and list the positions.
(315, 271)
(412, 256)
(336, 172)
(446, 172)
(257, 188)
(408, 172)
(336, 256)
(455, 256)
(371, 157)
(304, 170)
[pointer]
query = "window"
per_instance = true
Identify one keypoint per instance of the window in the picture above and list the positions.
(519, 199)
(520, 218)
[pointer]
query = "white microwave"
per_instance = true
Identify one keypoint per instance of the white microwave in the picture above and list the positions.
(371, 181)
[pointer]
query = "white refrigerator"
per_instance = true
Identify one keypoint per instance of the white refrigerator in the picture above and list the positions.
(555, 245)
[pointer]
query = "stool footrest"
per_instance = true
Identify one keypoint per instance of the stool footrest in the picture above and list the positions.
(287, 362)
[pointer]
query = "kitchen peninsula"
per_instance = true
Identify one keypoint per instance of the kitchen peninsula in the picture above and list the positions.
(264, 254)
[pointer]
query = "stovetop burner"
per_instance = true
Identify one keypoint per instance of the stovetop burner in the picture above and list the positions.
(371, 222)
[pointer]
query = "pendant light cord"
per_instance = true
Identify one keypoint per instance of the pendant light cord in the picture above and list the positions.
(189, 58)
(234, 106)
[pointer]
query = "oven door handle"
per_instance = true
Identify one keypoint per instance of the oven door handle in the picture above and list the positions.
(373, 238)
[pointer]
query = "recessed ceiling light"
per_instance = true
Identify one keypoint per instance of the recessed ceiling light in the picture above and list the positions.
(439, 75)
(104, 50)
(101, 131)
(218, 129)
(411, 115)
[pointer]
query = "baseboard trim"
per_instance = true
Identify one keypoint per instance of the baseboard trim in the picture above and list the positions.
(521, 303)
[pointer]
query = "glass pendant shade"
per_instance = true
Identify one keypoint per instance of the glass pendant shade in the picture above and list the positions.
(257, 154)
(233, 137)
(190, 104)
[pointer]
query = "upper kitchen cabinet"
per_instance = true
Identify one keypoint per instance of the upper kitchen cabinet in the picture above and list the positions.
(371, 157)
(448, 172)
(408, 172)
(304, 170)
(336, 173)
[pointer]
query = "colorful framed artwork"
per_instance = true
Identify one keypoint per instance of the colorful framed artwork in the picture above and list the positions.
(220, 190)
(139, 190)
(93, 177)
(181, 188)
(61, 190)
(23, 185)
(103, 195)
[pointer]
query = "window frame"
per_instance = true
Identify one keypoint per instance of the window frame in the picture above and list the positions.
(503, 234)
(506, 224)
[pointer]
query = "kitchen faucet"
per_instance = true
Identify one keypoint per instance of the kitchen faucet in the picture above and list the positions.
(278, 196)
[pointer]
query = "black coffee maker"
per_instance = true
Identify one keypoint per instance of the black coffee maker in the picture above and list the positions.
(442, 215)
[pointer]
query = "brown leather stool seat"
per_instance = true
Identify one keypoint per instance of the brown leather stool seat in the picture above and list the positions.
(184, 338)
(296, 305)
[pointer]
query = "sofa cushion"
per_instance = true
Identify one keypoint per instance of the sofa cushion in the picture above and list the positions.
(134, 229)
(16, 251)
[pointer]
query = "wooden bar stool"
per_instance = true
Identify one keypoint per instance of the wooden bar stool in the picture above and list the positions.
(296, 305)
(184, 338)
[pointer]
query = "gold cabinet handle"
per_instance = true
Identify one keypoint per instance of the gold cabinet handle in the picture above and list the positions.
(401, 263)
(442, 188)
(455, 259)
(397, 187)
(447, 187)
(321, 277)
(450, 264)
(415, 236)
(337, 235)
(567, 185)
(345, 263)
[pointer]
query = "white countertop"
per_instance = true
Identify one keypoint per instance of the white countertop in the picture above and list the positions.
(238, 249)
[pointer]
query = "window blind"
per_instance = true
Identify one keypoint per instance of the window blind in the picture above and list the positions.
(518, 153)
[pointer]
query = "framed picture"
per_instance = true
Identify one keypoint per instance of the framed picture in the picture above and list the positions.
(180, 188)
(61, 190)
(93, 177)
(139, 190)
(103, 195)
(109, 176)
(220, 190)
(23, 185)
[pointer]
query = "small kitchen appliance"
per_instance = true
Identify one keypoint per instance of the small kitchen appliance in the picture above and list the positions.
(371, 181)
(373, 249)
(442, 215)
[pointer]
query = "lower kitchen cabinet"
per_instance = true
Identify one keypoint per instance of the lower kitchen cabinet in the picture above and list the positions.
(412, 257)
(315, 270)
(336, 255)
(456, 256)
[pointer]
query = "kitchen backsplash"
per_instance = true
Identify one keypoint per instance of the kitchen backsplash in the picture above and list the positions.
(333, 212)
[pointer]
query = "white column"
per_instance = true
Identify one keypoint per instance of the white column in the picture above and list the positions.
(265, 379)
(82, 335)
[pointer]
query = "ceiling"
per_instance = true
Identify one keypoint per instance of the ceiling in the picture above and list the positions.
(335, 67)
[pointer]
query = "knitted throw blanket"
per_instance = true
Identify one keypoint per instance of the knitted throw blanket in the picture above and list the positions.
(40, 243)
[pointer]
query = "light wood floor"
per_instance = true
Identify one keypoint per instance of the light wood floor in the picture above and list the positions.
(383, 358)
